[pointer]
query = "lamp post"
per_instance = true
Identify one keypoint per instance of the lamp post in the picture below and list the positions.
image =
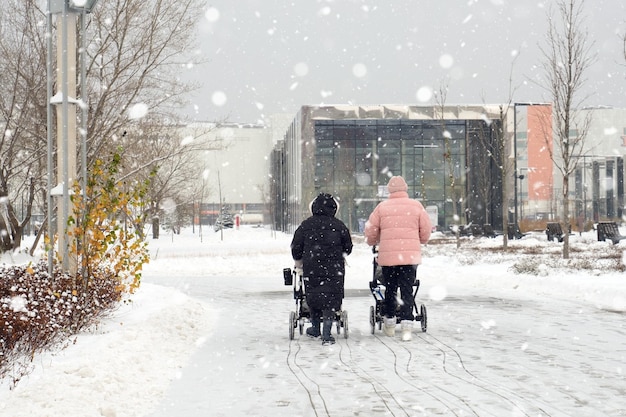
(65, 102)
(515, 164)
(521, 177)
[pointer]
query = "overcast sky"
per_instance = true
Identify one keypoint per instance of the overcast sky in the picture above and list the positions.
(273, 56)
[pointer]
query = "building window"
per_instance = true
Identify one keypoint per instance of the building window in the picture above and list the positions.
(354, 159)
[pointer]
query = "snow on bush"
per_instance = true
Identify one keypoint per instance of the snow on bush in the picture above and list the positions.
(40, 313)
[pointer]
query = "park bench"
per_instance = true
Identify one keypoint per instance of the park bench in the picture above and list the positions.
(609, 230)
(514, 232)
(475, 230)
(554, 231)
(488, 231)
(468, 230)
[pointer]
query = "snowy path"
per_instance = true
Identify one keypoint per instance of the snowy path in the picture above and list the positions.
(498, 343)
(486, 353)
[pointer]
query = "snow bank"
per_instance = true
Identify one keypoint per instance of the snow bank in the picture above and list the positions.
(131, 360)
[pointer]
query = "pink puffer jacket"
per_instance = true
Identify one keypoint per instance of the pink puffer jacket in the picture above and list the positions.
(399, 226)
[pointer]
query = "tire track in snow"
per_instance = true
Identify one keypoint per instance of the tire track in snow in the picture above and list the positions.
(379, 388)
(444, 402)
(481, 384)
(314, 393)
(314, 389)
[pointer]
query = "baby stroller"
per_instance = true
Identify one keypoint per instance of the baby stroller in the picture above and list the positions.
(377, 287)
(302, 315)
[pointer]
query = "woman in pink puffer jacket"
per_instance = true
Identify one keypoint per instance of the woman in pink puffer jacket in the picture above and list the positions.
(398, 226)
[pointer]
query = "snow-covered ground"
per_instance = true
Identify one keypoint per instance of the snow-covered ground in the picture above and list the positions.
(207, 334)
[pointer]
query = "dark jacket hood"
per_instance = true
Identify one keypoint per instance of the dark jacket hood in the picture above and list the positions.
(324, 204)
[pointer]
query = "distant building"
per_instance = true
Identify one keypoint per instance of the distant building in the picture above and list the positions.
(271, 173)
(596, 190)
(598, 182)
(533, 151)
(351, 151)
(234, 173)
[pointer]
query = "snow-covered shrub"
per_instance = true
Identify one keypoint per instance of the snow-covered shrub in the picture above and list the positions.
(39, 312)
(528, 265)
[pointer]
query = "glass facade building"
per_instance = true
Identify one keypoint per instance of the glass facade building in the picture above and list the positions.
(448, 158)
(355, 158)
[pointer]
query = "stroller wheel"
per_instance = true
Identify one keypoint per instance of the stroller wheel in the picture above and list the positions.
(423, 317)
(338, 323)
(344, 322)
(372, 319)
(292, 324)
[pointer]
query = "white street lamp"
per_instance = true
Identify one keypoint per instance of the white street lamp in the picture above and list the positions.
(58, 6)
(65, 102)
(83, 5)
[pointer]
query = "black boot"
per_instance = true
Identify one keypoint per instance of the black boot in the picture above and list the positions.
(314, 330)
(327, 339)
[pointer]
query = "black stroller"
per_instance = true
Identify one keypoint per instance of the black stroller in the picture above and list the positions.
(302, 315)
(377, 287)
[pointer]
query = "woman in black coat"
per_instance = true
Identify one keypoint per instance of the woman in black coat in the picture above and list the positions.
(319, 247)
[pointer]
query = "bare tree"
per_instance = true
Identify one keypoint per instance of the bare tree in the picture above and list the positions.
(498, 146)
(483, 168)
(136, 52)
(506, 163)
(136, 56)
(567, 58)
(172, 159)
(450, 163)
(22, 109)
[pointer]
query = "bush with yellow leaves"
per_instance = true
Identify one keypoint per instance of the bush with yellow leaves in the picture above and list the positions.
(39, 311)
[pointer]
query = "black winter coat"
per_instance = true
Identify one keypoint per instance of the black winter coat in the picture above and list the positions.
(321, 242)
